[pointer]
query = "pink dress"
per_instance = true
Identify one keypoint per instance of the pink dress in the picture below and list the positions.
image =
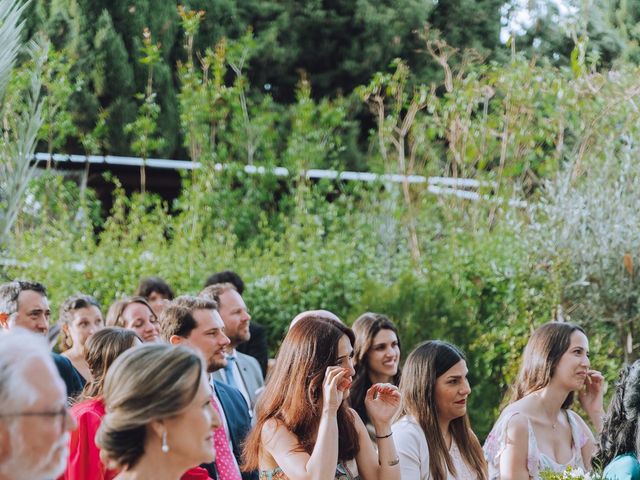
(536, 460)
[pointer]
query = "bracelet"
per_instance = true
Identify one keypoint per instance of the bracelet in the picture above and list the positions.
(384, 436)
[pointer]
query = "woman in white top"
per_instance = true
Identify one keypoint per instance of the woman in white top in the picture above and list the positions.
(433, 438)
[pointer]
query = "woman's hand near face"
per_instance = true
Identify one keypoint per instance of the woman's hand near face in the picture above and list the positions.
(333, 389)
(382, 403)
(591, 398)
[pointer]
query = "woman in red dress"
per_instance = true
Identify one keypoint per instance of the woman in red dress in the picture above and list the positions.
(103, 347)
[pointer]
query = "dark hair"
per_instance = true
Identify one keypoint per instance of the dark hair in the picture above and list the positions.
(424, 365)
(149, 285)
(541, 356)
(365, 328)
(151, 382)
(620, 432)
(10, 291)
(103, 347)
(226, 276)
(293, 391)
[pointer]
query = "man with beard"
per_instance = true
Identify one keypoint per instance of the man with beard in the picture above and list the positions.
(195, 323)
(25, 304)
(242, 371)
(34, 420)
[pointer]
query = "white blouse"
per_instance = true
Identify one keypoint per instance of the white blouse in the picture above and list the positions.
(413, 451)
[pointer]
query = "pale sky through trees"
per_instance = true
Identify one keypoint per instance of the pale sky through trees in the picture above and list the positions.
(523, 13)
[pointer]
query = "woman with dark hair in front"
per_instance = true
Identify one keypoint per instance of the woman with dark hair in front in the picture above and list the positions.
(304, 429)
(155, 291)
(84, 456)
(159, 421)
(434, 436)
(537, 431)
(376, 359)
(80, 317)
(619, 443)
(135, 314)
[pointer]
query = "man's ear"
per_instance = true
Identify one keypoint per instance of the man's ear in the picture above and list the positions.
(4, 320)
(175, 340)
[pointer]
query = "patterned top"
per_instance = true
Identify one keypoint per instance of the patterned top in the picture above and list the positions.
(343, 472)
(536, 460)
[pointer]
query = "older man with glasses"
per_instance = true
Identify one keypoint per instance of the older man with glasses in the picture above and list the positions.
(34, 421)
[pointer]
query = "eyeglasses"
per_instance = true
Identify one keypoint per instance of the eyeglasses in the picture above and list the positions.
(63, 413)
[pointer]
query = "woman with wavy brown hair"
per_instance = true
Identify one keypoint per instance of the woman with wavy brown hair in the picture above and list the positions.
(304, 428)
(103, 347)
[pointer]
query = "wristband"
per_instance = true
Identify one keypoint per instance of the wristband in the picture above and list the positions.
(384, 436)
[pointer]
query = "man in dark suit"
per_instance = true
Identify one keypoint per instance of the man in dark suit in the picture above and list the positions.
(195, 323)
(25, 304)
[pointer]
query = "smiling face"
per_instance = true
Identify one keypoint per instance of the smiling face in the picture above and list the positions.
(208, 338)
(451, 391)
(571, 371)
(84, 323)
(140, 319)
(190, 433)
(383, 357)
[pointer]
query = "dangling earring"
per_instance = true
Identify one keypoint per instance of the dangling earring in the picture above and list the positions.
(165, 447)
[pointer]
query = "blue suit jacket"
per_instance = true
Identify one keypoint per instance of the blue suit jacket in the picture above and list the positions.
(239, 422)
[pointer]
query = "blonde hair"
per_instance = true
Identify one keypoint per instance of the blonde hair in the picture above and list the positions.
(148, 383)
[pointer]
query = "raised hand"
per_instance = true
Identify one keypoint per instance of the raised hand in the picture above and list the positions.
(382, 403)
(336, 381)
(591, 397)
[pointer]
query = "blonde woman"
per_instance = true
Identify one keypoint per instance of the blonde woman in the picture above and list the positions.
(159, 419)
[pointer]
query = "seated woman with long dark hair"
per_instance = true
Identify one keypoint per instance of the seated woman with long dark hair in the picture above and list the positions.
(304, 428)
(434, 436)
(376, 359)
(537, 431)
(619, 444)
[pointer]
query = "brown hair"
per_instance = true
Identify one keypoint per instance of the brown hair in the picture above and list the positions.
(365, 328)
(177, 319)
(293, 392)
(114, 316)
(213, 292)
(544, 349)
(103, 347)
(69, 306)
(151, 382)
(424, 365)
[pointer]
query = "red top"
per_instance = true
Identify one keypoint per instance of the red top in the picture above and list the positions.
(84, 454)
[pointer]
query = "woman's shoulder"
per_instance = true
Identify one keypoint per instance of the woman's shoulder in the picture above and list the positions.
(623, 467)
(407, 429)
(88, 407)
